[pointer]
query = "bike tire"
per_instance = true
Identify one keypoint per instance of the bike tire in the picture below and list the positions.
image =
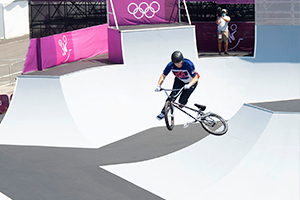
(214, 124)
(169, 115)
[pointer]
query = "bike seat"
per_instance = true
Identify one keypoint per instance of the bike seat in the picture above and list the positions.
(201, 107)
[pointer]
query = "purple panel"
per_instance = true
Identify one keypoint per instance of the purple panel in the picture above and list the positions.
(137, 12)
(115, 46)
(241, 36)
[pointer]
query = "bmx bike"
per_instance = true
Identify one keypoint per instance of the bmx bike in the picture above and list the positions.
(211, 122)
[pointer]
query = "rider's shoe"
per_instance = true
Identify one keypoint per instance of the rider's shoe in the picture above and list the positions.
(160, 116)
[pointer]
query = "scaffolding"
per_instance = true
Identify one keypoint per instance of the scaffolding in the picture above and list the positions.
(54, 17)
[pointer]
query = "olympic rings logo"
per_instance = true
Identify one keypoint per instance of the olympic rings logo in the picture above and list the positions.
(143, 9)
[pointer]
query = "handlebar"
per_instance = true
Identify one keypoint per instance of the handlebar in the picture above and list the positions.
(172, 90)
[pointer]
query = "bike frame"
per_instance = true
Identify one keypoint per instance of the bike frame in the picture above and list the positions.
(178, 105)
(211, 122)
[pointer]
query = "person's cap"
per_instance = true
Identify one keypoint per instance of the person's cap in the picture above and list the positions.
(224, 10)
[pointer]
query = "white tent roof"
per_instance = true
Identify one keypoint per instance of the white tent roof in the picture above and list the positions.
(6, 2)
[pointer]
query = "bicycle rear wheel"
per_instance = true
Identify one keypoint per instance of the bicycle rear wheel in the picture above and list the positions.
(169, 115)
(214, 124)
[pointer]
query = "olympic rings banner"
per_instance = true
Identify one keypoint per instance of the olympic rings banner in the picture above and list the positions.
(136, 12)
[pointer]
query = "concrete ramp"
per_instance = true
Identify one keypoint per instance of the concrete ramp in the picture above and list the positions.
(30, 122)
(156, 43)
(270, 170)
(256, 159)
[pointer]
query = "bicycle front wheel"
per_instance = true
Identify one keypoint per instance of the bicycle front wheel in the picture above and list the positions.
(169, 115)
(214, 124)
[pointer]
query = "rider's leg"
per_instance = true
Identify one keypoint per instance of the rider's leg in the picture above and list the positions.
(176, 85)
(186, 94)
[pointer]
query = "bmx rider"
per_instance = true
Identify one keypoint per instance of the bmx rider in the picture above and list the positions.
(185, 76)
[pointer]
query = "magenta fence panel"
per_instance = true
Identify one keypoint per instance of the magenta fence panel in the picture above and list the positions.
(31, 62)
(241, 36)
(136, 12)
(66, 47)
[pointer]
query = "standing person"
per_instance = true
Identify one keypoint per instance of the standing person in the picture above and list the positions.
(185, 76)
(222, 22)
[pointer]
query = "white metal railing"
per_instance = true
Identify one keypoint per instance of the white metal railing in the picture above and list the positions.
(186, 11)
(9, 70)
(112, 13)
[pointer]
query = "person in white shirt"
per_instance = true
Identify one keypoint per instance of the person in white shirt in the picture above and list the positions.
(222, 22)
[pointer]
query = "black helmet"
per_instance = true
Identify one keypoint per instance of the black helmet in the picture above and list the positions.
(176, 57)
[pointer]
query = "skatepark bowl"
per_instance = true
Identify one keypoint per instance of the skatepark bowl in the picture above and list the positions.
(87, 130)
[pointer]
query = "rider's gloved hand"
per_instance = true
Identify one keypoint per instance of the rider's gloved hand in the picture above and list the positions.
(158, 88)
(187, 86)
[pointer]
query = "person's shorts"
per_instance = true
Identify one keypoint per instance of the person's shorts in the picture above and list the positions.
(225, 36)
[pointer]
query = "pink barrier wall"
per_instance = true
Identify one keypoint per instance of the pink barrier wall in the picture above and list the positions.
(241, 36)
(137, 12)
(66, 47)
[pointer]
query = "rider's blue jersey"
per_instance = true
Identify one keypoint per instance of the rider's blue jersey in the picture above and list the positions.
(185, 73)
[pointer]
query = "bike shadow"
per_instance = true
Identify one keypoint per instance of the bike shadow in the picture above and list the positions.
(151, 143)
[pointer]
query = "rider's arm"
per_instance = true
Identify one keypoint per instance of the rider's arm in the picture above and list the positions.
(218, 20)
(161, 79)
(194, 80)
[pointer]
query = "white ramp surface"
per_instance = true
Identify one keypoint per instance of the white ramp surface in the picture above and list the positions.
(270, 170)
(257, 159)
(156, 44)
(39, 116)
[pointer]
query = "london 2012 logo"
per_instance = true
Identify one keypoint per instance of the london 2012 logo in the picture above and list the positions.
(143, 9)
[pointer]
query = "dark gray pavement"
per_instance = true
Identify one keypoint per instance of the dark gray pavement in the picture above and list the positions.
(35, 173)
(292, 105)
(15, 48)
